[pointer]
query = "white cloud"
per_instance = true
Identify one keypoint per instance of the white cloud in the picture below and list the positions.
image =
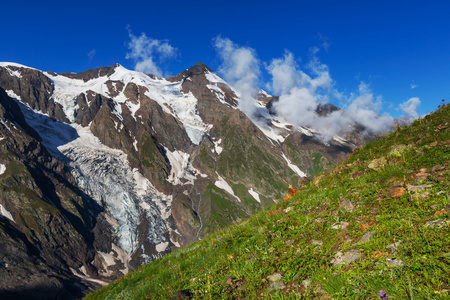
(241, 68)
(413, 86)
(145, 51)
(302, 91)
(410, 107)
(364, 109)
(91, 54)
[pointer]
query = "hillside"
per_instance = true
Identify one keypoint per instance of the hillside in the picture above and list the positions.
(376, 227)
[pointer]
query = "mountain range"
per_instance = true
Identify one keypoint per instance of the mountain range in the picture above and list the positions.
(106, 170)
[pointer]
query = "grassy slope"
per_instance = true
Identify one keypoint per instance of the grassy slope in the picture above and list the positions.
(281, 238)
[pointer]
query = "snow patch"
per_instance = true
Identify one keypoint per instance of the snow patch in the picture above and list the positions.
(88, 278)
(2, 167)
(133, 108)
(270, 132)
(12, 72)
(217, 146)
(13, 95)
(171, 231)
(264, 93)
(181, 168)
(339, 139)
(7, 64)
(162, 246)
(294, 167)
(222, 184)
(254, 195)
(4, 212)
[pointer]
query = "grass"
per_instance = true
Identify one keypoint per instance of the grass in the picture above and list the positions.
(299, 237)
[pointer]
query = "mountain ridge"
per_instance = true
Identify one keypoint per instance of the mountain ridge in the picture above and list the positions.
(137, 166)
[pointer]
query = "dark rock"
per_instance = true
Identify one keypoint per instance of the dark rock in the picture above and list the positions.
(182, 295)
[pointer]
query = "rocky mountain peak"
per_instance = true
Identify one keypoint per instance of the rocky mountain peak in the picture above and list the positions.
(198, 69)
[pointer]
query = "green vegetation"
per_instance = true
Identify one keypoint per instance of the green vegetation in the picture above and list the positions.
(320, 164)
(390, 208)
(220, 208)
(149, 152)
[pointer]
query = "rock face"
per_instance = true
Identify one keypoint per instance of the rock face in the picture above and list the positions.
(107, 169)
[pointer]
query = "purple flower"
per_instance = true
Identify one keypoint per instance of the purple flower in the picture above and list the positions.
(383, 294)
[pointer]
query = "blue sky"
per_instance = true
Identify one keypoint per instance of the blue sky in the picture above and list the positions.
(399, 49)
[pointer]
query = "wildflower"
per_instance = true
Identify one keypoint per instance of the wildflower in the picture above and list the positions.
(383, 294)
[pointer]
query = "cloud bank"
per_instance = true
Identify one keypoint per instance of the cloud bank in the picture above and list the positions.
(302, 91)
(147, 53)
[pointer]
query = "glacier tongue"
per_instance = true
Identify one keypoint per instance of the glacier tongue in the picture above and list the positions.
(108, 178)
(106, 175)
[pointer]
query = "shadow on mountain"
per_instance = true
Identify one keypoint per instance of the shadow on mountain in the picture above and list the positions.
(53, 133)
(43, 293)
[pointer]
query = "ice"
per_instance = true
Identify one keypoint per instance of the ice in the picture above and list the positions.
(6, 213)
(294, 167)
(222, 184)
(254, 195)
(106, 176)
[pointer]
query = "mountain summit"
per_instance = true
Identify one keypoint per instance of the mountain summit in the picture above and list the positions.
(108, 169)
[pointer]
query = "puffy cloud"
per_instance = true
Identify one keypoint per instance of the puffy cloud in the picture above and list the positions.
(241, 68)
(413, 86)
(410, 107)
(145, 51)
(302, 91)
(364, 109)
